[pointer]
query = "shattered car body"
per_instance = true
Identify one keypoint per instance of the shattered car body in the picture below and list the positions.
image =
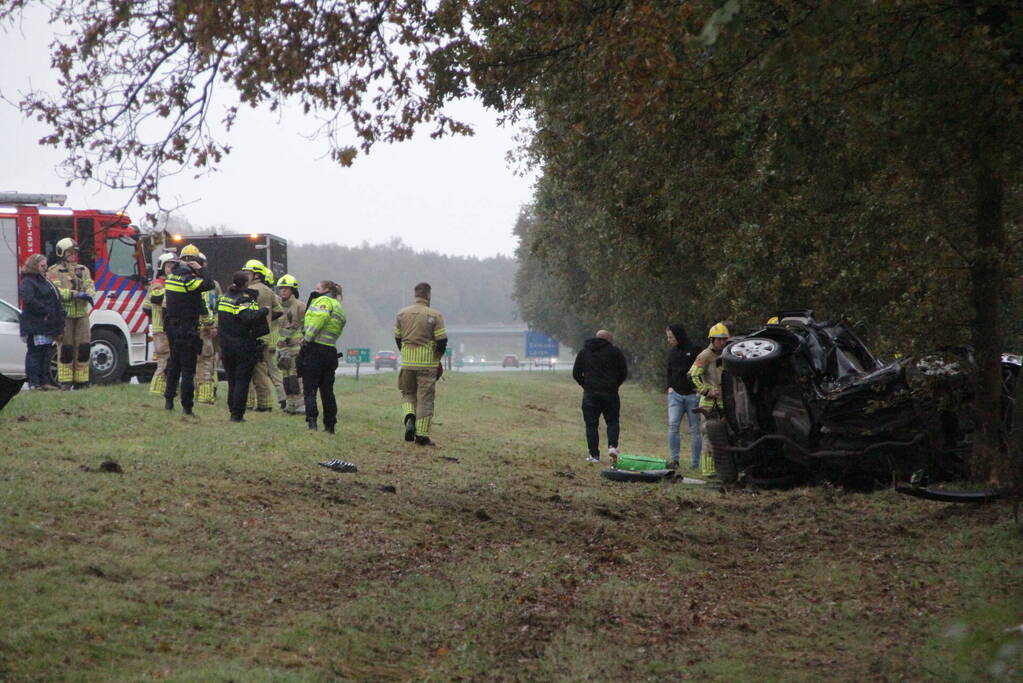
(807, 401)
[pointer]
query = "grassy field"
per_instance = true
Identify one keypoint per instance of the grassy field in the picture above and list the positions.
(223, 552)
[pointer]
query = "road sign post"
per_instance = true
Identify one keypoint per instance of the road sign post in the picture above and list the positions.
(357, 357)
(540, 346)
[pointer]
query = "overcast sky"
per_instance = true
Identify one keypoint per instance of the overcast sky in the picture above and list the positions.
(456, 195)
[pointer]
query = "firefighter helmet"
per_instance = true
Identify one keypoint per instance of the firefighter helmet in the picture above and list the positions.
(65, 245)
(189, 250)
(773, 320)
(719, 331)
(200, 257)
(288, 281)
(164, 260)
(257, 267)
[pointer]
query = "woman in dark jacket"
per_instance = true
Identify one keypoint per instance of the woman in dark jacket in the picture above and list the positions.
(42, 320)
(241, 323)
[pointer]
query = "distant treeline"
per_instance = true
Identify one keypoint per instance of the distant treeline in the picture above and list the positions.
(378, 279)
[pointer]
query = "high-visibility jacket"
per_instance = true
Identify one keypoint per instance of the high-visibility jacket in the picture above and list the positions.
(292, 323)
(154, 303)
(270, 301)
(210, 300)
(418, 328)
(324, 321)
(70, 279)
(241, 321)
(706, 376)
(184, 288)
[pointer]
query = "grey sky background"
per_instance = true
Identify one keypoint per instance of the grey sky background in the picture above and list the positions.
(455, 196)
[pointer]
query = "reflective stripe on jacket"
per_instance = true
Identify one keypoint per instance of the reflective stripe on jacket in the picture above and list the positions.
(419, 328)
(706, 375)
(70, 279)
(324, 321)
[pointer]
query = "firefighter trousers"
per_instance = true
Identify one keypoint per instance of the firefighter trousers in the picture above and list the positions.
(206, 367)
(418, 387)
(261, 381)
(161, 352)
(238, 365)
(73, 351)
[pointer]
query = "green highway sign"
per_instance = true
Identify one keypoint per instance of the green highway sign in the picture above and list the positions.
(447, 353)
(354, 356)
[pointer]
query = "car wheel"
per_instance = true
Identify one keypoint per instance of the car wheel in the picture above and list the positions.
(751, 356)
(724, 462)
(108, 357)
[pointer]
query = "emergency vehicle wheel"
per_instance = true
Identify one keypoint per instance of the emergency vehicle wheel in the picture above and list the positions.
(751, 355)
(108, 357)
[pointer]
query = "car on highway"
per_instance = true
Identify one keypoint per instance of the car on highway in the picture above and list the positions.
(385, 359)
(510, 360)
(807, 401)
(468, 360)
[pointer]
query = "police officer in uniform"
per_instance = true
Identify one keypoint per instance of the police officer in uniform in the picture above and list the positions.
(289, 343)
(206, 364)
(74, 284)
(241, 323)
(184, 289)
(324, 323)
(153, 305)
(422, 338)
(259, 275)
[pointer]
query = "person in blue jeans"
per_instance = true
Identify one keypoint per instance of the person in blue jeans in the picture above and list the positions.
(682, 396)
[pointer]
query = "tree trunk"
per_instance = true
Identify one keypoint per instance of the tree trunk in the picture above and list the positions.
(987, 282)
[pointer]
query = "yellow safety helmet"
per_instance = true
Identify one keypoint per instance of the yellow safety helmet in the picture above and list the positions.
(773, 320)
(256, 266)
(65, 245)
(287, 280)
(189, 250)
(719, 331)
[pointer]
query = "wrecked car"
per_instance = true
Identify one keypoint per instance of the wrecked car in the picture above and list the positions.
(807, 401)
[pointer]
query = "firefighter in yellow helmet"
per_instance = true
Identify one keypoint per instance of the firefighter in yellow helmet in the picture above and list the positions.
(184, 299)
(259, 275)
(706, 376)
(206, 363)
(154, 306)
(289, 343)
(77, 292)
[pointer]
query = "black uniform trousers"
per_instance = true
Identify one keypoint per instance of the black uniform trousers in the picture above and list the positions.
(185, 345)
(318, 365)
(239, 361)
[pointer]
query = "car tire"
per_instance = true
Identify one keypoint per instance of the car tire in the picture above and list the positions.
(641, 476)
(108, 357)
(751, 356)
(724, 462)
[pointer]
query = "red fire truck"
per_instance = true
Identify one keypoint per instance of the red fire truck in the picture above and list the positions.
(115, 251)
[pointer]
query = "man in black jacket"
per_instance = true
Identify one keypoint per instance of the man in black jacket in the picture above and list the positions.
(184, 287)
(600, 369)
(682, 396)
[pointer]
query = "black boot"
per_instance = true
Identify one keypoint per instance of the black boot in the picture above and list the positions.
(423, 441)
(312, 424)
(168, 403)
(328, 428)
(283, 404)
(410, 427)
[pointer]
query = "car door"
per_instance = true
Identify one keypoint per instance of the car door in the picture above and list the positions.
(12, 349)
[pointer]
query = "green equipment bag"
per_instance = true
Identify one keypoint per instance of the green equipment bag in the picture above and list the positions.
(639, 463)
